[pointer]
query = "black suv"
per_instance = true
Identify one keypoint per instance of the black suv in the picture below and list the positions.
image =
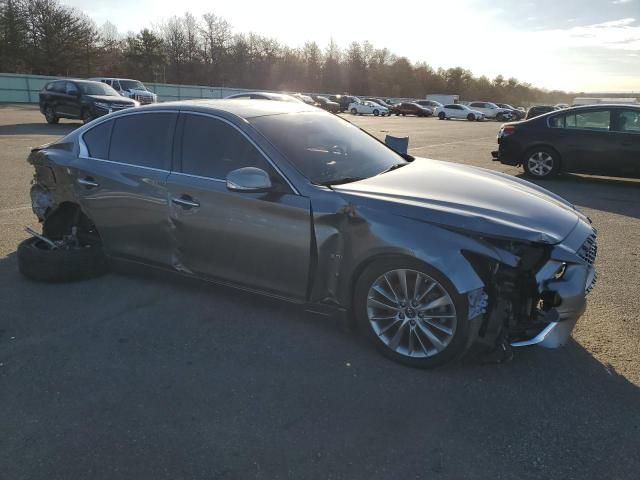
(344, 101)
(81, 99)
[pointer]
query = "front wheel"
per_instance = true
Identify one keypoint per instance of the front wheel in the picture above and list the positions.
(411, 312)
(541, 163)
(471, 117)
(441, 116)
(354, 111)
(376, 113)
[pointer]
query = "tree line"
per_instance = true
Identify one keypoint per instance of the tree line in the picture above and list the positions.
(46, 38)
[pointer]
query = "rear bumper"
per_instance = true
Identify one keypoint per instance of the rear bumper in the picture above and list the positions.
(507, 155)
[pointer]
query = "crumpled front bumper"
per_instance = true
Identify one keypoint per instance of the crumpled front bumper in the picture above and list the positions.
(565, 294)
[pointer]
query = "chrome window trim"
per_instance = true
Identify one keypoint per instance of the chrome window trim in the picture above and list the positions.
(198, 176)
(266, 157)
(127, 164)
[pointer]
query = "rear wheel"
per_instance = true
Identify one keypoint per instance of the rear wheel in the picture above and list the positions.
(442, 116)
(541, 162)
(411, 312)
(50, 115)
(471, 117)
(38, 261)
(86, 116)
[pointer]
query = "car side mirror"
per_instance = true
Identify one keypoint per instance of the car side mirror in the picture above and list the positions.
(249, 180)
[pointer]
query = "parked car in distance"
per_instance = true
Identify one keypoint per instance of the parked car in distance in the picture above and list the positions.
(380, 101)
(81, 99)
(539, 110)
(129, 88)
(368, 108)
(459, 111)
(492, 111)
(430, 104)
(410, 108)
(344, 101)
(561, 106)
(599, 139)
(516, 113)
(283, 199)
(281, 97)
(328, 105)
(305, 98)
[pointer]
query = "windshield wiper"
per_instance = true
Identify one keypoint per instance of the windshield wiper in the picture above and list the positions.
(393, 167)
(340, 181)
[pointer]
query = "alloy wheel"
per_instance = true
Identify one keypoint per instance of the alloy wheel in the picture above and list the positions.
(411, 313)
(540, 164)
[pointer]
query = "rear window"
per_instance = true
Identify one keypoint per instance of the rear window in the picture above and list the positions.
(97, 140)
(143, 139)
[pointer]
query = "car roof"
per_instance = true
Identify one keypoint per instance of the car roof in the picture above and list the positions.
(239, 107)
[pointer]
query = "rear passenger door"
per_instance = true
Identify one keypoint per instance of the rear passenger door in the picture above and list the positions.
(591, 145)
(258, 240)
(627, 126)
(121, 184)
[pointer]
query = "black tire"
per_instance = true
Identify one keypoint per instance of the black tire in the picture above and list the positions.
(376, 112)
(500, 117)
(38, 262)
(471, 117)
(86, 116)
(442, 116)
(542, 155)
(50, 115)
(458, 343)
(354, 111)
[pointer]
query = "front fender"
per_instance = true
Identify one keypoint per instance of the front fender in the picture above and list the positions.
(347, 241)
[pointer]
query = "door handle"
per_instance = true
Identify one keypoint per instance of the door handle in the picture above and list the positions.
(186, 202)
(88, 182)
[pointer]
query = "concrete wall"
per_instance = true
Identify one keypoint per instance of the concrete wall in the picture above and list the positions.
(17, 88)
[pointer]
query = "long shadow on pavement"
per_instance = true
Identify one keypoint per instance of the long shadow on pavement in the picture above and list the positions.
(134, 377)
(616, 195)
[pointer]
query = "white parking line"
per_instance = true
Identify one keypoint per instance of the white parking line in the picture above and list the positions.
(14, 209)
(484, 139)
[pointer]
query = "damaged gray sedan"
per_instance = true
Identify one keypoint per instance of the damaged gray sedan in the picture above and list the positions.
(285, 200)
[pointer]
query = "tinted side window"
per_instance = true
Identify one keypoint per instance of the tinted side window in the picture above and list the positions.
(476, 104)
(595, 120)
(143, 139)
(59, 87)
(557, 122)
(212, 148)
(97, 140)
(629, 121)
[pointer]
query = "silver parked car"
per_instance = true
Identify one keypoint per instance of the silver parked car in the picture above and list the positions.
(286, 200)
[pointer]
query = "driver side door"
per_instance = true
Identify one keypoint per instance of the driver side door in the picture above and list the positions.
(260, 241)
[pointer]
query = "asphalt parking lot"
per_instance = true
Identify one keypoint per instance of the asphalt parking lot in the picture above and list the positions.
(127, 376)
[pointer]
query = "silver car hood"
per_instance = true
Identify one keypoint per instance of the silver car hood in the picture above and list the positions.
(467, 198)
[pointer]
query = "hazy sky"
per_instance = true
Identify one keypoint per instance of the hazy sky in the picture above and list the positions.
(578, 45)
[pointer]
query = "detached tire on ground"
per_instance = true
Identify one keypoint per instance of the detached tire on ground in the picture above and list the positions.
(37, 261)
(411, 312)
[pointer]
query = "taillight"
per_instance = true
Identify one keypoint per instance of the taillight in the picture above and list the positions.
(507, 130)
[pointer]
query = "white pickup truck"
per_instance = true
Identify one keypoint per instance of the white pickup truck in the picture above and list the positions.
(126, 87)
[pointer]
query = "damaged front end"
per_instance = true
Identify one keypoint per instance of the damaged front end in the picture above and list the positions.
(537, 296)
